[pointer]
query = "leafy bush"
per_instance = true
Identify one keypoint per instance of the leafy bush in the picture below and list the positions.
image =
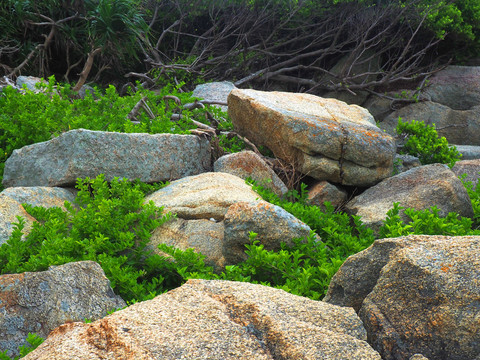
(111, 226)
(29, 117)
(33, 341)
(423, 141)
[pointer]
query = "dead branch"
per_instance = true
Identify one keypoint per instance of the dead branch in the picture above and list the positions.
(86, 69)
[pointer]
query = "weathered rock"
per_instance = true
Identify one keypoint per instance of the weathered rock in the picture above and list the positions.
(247, 164)
(469, 152)
(30, 82)
(203, 235)
(84, 153)
(215, 320)
(271, 223)
(471, 168)
(457, 87)
(323, 138)
(323, 191)
(457, 126)
(39, 302)
(41, 196)
(404, 163)
(419, 188)
(418, 357)
(203, 196)
(214, 91)
(426, 301)
(9, 210)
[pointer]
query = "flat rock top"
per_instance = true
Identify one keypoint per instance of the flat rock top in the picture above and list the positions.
(309, 105)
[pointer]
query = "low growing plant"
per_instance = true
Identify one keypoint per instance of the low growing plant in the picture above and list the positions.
(423, 142)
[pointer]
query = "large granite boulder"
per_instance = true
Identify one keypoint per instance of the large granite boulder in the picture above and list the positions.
(216, 320)
(84, 153)
(419, 188)
(457, 87)
(39, 302)
(215, 213)
(323, 138)
(460, 127)
(247, 164)
(44, 196)
(415, 294)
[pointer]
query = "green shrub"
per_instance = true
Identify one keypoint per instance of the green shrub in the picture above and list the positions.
(474, 194)
(111, 226)
(423, 142)
(33, 341)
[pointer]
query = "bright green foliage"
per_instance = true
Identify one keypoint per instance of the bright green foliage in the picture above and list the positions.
(425, 222)
(30, 118)
(474, 194)
(423, 141)
(33, 341)
(111, 226)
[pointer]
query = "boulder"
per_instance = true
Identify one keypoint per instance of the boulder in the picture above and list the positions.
(46, 197)
(323, 138)
(460, 127)
(404, 162)
(39, 302)
(415, 294)
(271, 223)
(471, 168)
(9, 210)
(215, 320)
(204, 196)
(84, 153)
(30, 82)
(323, 191)
(457, 87)
(419, 188)
(214, 91)
(469, 152)
(247, 164)
(203, 235)
(215, 213)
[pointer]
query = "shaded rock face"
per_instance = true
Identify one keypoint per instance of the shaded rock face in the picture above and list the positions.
(84, 153)
(271, 223)
(39, 302)
(419, 188)
(323, 191)
(247, 164)
(469, 152)
(215, 213)
(216, 320)
(9, 210)
(324, 138)
(457, 87)
(460, 127)
(417, 294)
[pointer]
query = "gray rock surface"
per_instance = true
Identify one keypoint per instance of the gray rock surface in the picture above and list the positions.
(39, 302)
(215, 91)
(247, 164)
(404, 163)
(471, 168)
(203, 196)
(323, 138)
(29, 81)
(419, 188)
(216, 320)
(469, 152)
(271, 223)
(457, 87)
(460, 127)
(84, 153)
(323, 191)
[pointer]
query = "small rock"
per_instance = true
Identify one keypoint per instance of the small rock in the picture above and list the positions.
(323, 191)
